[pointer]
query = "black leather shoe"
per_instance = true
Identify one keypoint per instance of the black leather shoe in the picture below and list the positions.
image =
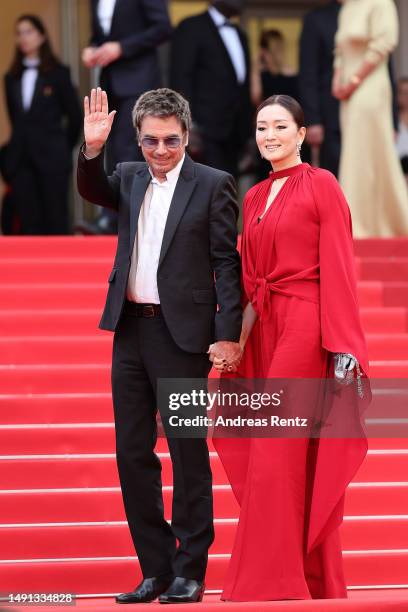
(148, 590)
(183, 590)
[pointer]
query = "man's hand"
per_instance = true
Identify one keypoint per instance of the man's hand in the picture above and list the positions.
(89, 57)
(107, 53)
(315, 135)
(225, 356)
(97, 122)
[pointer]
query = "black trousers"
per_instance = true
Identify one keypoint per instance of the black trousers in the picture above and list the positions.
(143, 351)
(41, 200)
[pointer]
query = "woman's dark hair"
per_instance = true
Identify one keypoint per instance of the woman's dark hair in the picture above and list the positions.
(268, 35)
(47, 58)
(287, 102)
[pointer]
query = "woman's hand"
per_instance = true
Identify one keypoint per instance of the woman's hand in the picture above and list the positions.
(97, 121)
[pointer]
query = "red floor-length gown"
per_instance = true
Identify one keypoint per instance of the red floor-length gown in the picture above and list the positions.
(298, 273)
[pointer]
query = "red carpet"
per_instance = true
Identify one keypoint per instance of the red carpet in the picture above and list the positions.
(62, 525)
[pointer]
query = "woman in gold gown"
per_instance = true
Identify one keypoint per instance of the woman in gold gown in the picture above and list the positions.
(370, 173)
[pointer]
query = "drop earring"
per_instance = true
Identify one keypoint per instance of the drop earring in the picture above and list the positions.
(299, 148)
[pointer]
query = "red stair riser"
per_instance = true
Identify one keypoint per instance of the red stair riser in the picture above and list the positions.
(100, 438)
(115, 540)
(55, 379)
(89, 505)
(98, 348)
(58, 408)
(113, 576)
(47, 270)
(101, 472)
(59, 322)
(57, 246)
(46, 296)
(390, 247)
(380, 268)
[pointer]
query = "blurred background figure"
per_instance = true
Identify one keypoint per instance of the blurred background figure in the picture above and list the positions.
(270, 76)
(402, 135)
(36, 162)
(210, 67)
(124, 41)
(370, 172)
(315, 80)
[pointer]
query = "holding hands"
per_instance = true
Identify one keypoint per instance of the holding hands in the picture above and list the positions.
(225, 356)
(97, 121)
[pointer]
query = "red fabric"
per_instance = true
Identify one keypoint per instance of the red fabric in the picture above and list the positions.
(298, 272)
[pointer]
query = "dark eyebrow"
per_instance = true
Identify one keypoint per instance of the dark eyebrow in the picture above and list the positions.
(166, 136)
(275, 121)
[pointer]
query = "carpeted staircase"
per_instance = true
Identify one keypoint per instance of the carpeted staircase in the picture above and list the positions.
(62, 524)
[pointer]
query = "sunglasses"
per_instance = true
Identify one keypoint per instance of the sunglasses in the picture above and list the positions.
(170, 142)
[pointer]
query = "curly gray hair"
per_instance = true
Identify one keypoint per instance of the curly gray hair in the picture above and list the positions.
(163, 102)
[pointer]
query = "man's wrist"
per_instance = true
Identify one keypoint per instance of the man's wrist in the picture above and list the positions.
(90, 152)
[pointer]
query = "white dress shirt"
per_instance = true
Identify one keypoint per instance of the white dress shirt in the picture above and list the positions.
(105, 13)
(142, 283)
(28, 81)
(232, 43)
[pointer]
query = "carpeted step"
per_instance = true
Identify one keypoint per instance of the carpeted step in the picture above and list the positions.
(63, 378)
(113, 539)
(57, 408)
(112, 575)
(105, 504)
(57, 269)
(93, 437)
(383, 268)
(381, 247)
(49, 471)
(92, 294)
(85, 321)
(385, 600)
(98, 348)
(53, 295)
(51, 247)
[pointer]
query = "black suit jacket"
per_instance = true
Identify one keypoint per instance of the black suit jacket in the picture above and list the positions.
(139, 26)
(316, 66)
(39, 134)
(199, 243)
(201, 69)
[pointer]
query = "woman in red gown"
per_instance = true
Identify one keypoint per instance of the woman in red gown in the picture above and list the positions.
(301, 309)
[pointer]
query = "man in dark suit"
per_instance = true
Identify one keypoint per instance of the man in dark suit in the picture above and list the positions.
(210, 67)
(321, 108)
(177, 231)
(315, 81)
(124, 41)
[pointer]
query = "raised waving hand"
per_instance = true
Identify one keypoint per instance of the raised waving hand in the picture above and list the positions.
(97, 121)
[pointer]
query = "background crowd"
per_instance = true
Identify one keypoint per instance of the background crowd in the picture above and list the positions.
(356, 112)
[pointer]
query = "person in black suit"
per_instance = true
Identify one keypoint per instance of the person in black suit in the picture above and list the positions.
(124, 40)
(210, 67)
(315, 79)
(37, 159)
(177, 232)
(315, 83)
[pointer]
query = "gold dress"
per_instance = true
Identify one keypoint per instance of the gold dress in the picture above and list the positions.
(370, 172)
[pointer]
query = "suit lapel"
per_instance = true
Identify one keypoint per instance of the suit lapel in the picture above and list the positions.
(139, 187)
(114, 17)
(17, 93)
(184, 189)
